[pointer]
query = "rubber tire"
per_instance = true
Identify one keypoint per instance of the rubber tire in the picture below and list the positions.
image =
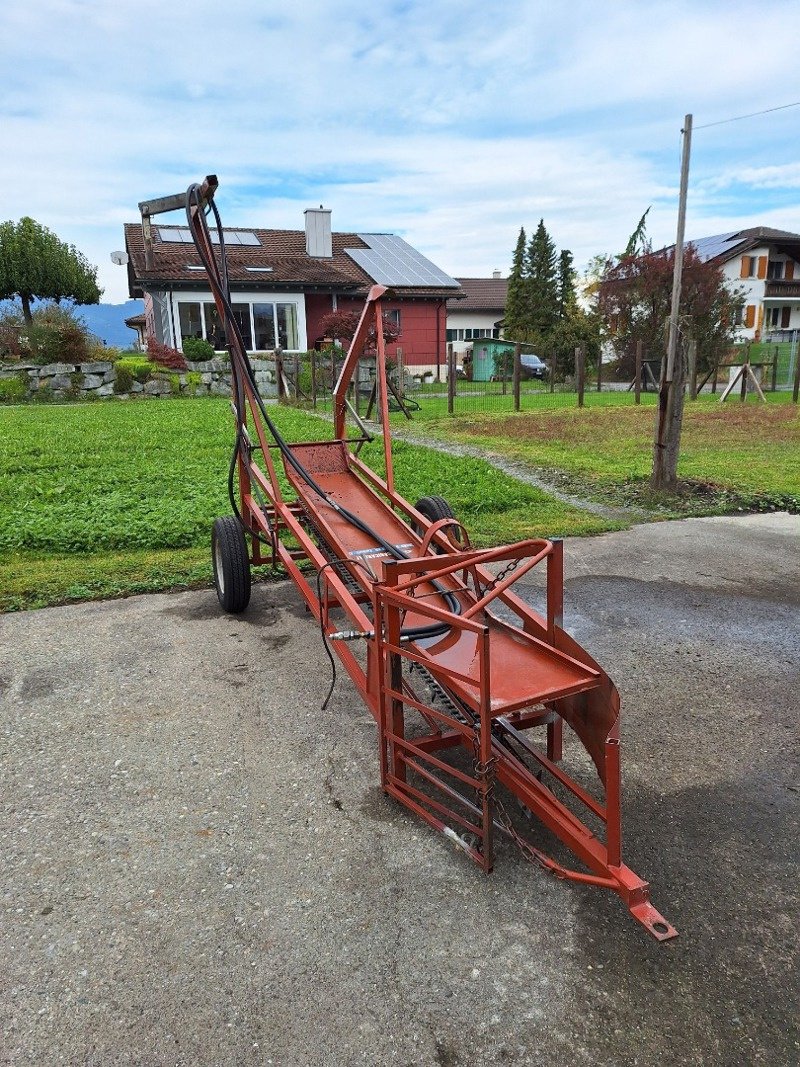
(435, 508)
(231, 564)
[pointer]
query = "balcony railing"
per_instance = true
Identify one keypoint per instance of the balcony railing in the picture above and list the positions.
(784, 288)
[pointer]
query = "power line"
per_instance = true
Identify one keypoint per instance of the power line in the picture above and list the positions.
(752, 115)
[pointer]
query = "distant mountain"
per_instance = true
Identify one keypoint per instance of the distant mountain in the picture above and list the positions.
(107, 321)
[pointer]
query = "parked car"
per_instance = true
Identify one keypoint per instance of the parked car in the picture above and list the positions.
(531, 366)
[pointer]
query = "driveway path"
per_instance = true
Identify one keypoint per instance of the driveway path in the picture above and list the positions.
(199, 867)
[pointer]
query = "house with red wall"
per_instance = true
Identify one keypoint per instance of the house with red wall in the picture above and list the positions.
(284, 283)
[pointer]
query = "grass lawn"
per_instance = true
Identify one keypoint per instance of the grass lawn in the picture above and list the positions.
(107, 499)
(733, 455)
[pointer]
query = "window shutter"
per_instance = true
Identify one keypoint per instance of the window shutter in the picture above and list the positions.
(750, 316)
(788, 271)
(745, 273)
(785, 313)
(762, 266)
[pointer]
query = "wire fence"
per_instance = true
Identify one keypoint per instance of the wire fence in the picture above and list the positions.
(508, 385)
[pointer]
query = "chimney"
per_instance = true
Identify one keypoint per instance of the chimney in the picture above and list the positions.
(497, 274)
(318, 232)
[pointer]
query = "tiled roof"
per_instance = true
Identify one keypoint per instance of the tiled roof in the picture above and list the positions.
(283, 251)
(725, 246)
(483, 294)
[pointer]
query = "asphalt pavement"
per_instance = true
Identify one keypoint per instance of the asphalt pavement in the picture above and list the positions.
(198, 865)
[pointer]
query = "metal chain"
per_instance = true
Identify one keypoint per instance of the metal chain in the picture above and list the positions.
(512, 566)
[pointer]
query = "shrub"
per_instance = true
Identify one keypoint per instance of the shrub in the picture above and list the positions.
(164, 356)
(193, 380)
(197, 350)
(124, 379)
(57, 335)
(12, 345)
(100, 353)
(12, 390)
(139, 366)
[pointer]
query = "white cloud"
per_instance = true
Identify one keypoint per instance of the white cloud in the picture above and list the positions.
(452, 123)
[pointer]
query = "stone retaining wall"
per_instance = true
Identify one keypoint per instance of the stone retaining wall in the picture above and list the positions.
(88, 381)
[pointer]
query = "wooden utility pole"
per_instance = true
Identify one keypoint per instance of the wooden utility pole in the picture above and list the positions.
(517, 354)
(637, 385)
(670, 397)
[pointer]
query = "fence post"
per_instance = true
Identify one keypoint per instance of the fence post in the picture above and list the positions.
(716, 371)
(775, 370)
(279, 373)
(517, 354)
(693, 370)
(552, 372)
(580, 370)
(637, 388)
(313, 379)
(600, 370)
(451, 378)
(745, 373)
(796, 390)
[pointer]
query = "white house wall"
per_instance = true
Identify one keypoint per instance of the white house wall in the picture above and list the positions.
(754, 293)
(471, 320)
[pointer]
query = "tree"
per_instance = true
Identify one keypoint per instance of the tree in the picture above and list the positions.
(542, 268)
(516, 320)
(342, 325)
(634, 300)
(36, 264)
(566, 284)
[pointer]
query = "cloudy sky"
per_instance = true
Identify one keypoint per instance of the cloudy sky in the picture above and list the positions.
(450, 122)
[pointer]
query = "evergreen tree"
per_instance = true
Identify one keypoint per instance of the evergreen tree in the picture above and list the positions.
(566, 283)
(542, 272)
(516, 320)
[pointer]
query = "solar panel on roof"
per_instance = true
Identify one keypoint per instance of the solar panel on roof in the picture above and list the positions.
(175, 235)
(710, 247)
(390, 261)
(172, 235)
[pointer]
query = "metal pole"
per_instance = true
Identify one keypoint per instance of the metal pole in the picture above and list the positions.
(638, 381)
(580, 368)
(693, 370)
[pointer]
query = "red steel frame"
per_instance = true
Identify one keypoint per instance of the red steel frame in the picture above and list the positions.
(486, 682)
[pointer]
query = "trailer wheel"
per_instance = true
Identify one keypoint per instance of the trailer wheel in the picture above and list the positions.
(435, 508)
(231, 564)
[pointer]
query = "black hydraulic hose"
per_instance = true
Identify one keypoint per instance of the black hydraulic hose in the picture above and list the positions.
(240, 362)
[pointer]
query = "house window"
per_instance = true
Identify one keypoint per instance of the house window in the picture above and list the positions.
(393, 316)
(191, 320)
(778, 318)
(775, 268)
(268, 325)
(287, 326)
(749, 267)
(451, 335)
(264, 324)
(241, 312)
(738, 316)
